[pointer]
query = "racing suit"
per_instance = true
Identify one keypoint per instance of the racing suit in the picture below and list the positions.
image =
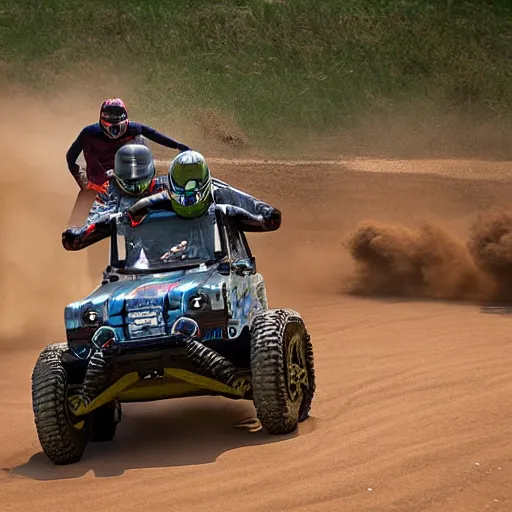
(251, 213)
(107, 202)
(99, 151)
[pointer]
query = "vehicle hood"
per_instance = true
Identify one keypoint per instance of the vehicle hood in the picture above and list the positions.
(148, 305)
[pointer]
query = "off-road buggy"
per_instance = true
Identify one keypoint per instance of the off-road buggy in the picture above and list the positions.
(181, 311)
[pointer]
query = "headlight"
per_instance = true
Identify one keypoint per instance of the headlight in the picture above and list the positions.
(90, 317)
(199, 301)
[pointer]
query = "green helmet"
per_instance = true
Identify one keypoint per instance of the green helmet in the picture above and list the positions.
(190, 184)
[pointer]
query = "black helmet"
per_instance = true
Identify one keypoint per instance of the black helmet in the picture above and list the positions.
(134, 168)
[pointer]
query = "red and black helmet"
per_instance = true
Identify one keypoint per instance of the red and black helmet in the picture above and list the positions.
(113, 118)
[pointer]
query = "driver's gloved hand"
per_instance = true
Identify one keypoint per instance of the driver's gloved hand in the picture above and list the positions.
(71, 237)
(266, 211)
(272, 218)
(268, 217)
(269, 213)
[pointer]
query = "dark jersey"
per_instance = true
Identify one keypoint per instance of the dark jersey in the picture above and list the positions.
(99, 150)
(251, 213)
(97, 226)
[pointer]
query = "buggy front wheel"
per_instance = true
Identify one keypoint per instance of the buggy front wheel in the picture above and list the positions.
(62, 436)
(282, 369)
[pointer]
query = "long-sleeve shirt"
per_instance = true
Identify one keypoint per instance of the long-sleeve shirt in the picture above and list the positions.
(252, 213)
(99, 150)
(97, 226)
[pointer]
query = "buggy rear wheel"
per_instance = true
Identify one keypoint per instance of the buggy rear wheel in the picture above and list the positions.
(62, 436)
(282, 368)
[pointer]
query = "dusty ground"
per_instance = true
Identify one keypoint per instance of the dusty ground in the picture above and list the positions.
(414, 404)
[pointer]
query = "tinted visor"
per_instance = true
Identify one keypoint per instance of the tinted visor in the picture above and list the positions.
(114, 130)
(189, 195)
(134, 186)
(114, 114)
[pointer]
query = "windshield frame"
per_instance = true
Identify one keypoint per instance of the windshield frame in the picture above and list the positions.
(119, 264)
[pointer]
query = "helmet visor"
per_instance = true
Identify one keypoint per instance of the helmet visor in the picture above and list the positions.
(191, 193)
(113, 114)
(134, 186)
(114, 129)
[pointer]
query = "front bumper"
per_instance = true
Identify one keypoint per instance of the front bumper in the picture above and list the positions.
(147, 355)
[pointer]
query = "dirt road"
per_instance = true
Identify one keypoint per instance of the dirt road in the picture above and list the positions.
(414, 404)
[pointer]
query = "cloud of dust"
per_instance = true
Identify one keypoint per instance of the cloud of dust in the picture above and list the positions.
(490, 245)
(37, 193)
(428, 262)
(413, 128)
(210, 131)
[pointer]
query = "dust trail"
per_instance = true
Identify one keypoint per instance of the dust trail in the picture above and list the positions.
(425, 262)
(38, 277)
(490, 245)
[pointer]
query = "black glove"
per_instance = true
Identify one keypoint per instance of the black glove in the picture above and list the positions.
(76, 238)
(272, 218)
(269, 219)
(71, 238)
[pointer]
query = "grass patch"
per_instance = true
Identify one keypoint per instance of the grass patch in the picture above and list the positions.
(311, 65)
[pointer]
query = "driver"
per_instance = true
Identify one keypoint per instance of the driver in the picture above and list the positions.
(192, 190)
(133, 178)
(100, 142)
(188, 190)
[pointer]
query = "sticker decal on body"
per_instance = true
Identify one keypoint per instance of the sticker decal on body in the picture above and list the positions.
(152, 291)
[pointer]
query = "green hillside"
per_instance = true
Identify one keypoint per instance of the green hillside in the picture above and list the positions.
(284, 66)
